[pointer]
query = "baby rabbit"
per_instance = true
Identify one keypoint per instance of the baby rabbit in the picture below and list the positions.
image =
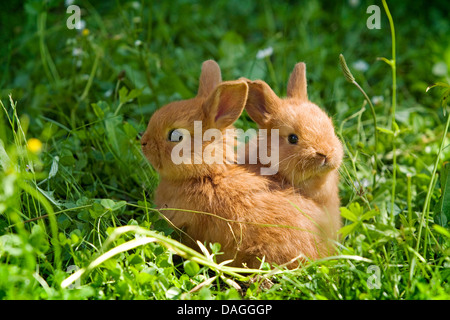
(224, 202)
(310, 153)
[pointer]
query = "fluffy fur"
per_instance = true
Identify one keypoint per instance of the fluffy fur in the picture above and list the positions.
(310, 165)
(234, 207)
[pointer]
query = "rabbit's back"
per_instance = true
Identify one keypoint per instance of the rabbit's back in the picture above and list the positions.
(238, 210)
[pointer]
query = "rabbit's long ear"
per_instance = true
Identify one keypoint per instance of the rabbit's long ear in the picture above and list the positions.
(297, 87)
(262, 102)
(224, 106)
(210, 78)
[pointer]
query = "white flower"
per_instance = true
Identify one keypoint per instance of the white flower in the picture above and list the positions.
(363, 184)
(353, 3)
(377, 99)
(439, 69)
(361, 65)
(137, 43)
(76, 52)
(267, 52)
(80, 25)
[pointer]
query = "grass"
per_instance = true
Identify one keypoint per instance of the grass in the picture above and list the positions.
(77, 219)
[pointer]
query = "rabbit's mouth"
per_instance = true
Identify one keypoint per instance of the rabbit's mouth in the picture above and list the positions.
(327, 164)
(152, 156)
(322, 166)
(327, 160)
(156, 161)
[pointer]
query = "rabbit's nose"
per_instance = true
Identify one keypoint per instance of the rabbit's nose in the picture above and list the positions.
(323, 156)
(144, 140)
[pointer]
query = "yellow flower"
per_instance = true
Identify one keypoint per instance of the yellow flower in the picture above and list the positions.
(34, 145)
(85, 32)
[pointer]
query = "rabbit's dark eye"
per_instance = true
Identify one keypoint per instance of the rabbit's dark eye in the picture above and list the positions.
(293, 139)
(175, 135)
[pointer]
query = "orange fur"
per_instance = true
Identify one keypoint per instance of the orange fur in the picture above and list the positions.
(235, 207)
(311, 165)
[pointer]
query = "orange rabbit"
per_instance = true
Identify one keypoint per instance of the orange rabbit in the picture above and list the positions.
(234, 206)
(310, 153)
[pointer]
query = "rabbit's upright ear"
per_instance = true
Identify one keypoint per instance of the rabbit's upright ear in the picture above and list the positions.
(262, 102)
(297, 83)
(224, 106)
(210, 78)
